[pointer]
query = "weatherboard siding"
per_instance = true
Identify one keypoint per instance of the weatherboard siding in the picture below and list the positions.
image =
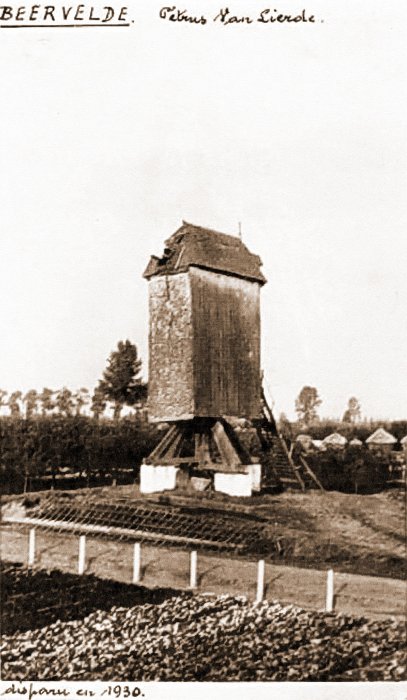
(226, 344)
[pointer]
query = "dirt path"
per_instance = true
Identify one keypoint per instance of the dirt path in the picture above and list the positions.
(360, 595)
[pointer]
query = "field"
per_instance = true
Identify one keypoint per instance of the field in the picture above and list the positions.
(57, 625)
(362, 534)
(172, 636)
(299, 535)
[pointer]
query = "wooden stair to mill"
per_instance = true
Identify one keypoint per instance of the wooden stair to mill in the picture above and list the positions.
(280, 469)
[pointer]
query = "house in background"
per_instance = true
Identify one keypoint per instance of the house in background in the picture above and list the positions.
(381, 441)
(335, 441)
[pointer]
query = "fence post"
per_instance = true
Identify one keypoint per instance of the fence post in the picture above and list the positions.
(31, 547)
(137, 563)
(260, 581)
(193, 570)
(329, 591)
(82, 554)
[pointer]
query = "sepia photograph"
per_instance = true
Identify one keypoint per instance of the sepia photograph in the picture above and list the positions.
(203, 371)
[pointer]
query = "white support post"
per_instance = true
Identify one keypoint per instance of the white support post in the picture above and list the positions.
(260, 581)
(193, 580)
(137, 563)
(329, 591)
(82, 554)
(31, 547)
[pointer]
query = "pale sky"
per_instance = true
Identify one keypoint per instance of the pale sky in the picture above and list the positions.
(110, 137)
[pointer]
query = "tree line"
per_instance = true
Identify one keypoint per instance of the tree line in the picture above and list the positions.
(121, 385)
(71, 450)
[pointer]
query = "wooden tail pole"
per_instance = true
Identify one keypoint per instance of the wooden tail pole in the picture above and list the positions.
(329, 591)
(82, 555)
(31, 547)
(193, 579)
(260, 581)
(137, 563)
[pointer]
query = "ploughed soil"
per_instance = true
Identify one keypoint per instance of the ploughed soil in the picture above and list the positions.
(359, 534)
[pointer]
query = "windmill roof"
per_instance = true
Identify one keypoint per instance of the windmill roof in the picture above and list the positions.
(201, 247)
(335, 439)
(381, 437)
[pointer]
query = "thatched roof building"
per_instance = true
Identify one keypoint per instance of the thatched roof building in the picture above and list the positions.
(335, 440)
(304, 440)
(318, 444)
(381, 437)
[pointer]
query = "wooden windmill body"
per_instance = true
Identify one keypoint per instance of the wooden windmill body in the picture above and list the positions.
(204, 356)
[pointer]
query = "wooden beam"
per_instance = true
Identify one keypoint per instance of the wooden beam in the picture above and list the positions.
(174, 448)
(227, 452)
(202, 449)
(311, 473)
(164, 443)
(171, 461)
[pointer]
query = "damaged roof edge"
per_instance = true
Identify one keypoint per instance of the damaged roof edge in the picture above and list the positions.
(195, 246)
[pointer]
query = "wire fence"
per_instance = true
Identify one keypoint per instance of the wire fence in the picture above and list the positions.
(169, 527)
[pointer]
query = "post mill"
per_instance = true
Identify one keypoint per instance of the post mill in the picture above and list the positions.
(204, 363)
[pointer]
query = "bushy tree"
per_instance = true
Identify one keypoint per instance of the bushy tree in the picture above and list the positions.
(31, 400)
(306, 404)
(3, 395)
(47, 401)
(98, 403)
(82, 399)
(353, 412)
(121, 383)
(64, 402)
(14, 403)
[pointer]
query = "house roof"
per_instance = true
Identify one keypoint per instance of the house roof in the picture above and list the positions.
(381, 437)
(194, 246)
(404, 440)
(356, 441)
(335, 439)
(319, 444)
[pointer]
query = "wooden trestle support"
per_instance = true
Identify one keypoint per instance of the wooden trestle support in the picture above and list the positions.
(203, 445)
